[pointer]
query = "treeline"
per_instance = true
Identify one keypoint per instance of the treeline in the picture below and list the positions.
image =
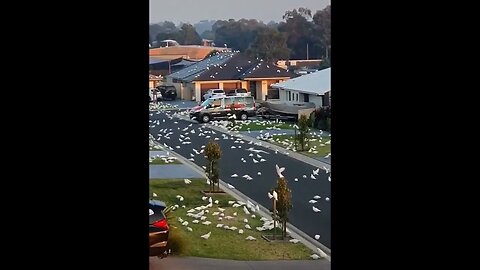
(299, 35)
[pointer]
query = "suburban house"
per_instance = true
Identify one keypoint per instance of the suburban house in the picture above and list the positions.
(301, 67)
(227, 71)
(314, 87)
(153, 80)
(191, 52)
(172, 57)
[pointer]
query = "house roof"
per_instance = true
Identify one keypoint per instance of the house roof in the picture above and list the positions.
(188, 74)
(231, 69)
(317, 83)
(186, 51)
(229, 66)
(265, 70)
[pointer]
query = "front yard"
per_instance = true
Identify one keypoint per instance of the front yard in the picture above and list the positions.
(222, 243)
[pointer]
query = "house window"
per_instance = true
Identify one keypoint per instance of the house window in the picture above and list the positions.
(306, 97)
(289, 94)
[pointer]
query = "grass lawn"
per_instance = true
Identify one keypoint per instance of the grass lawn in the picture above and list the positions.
(258, 125)
(322, 150)
(222, 244)
(159, 161)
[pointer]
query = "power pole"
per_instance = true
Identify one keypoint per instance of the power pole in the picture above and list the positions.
(307, 51)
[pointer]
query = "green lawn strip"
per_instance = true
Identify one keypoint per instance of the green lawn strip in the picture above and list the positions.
(222, 244)
(322, 150)
(257, 126)
(159, 161)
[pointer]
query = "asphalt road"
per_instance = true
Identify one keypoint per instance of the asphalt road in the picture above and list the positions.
(301, 215)
(192, 263)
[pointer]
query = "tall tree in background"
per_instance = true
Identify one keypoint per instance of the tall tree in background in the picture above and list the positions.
(299, 32)
(237, 35)
(322, 28)
(269, 45)
(188, 35)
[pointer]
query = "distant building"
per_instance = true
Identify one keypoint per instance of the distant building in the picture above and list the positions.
(170, 49)
(301, 67)
(208, 42)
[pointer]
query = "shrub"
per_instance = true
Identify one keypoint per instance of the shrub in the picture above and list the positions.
(177, 242)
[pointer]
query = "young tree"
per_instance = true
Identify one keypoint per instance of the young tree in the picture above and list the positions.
(284, 202)
(303, 129)
(213, 154)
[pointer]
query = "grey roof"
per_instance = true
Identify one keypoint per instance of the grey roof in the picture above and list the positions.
(317, 83)
(188, 74)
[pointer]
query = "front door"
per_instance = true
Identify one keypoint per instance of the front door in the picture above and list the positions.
(253, 89)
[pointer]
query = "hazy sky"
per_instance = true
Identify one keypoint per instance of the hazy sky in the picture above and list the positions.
(192, 11)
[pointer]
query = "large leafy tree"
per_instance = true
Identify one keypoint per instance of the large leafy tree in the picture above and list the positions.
(322, 28)
(269, 45)
(188, 35)
(237, 35)
(299, 31)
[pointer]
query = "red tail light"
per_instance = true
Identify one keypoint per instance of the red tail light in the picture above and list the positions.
(161, 224)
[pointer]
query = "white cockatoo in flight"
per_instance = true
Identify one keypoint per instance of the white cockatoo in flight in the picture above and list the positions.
(279, 171)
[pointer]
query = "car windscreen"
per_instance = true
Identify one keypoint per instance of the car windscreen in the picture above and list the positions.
(241, 91)
(157, 214)
(218, 91)
(206, 102)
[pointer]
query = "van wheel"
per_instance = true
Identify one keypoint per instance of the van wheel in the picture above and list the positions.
(244, 116)
(205, 118)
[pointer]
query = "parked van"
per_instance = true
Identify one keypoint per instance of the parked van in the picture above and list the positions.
(238, 92)
(220, 107)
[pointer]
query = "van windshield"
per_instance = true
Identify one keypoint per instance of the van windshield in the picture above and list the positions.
(206, 102)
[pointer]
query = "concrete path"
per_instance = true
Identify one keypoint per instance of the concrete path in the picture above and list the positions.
(194, 263)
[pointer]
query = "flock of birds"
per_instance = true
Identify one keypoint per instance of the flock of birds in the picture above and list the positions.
(256, 156)
(208, 214)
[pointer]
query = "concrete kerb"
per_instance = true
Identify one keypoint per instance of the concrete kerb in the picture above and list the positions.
(294, 231)
(309, 160)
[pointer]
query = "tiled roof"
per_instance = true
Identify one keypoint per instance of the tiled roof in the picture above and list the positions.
(188, 73)
(263, 69)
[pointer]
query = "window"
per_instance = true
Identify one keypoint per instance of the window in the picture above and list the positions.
(289, 96)
(217, 103)
(306, 97)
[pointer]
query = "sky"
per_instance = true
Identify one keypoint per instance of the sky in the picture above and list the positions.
(193, 11)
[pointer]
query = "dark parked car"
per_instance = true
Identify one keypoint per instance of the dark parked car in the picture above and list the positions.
(158, 231)
(168, 92)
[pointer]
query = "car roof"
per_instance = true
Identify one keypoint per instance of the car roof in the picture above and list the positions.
(158, 203)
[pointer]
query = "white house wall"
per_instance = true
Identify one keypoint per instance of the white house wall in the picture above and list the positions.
(317, 100)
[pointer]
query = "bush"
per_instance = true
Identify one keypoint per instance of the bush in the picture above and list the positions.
(321, 116)
(177, 242)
